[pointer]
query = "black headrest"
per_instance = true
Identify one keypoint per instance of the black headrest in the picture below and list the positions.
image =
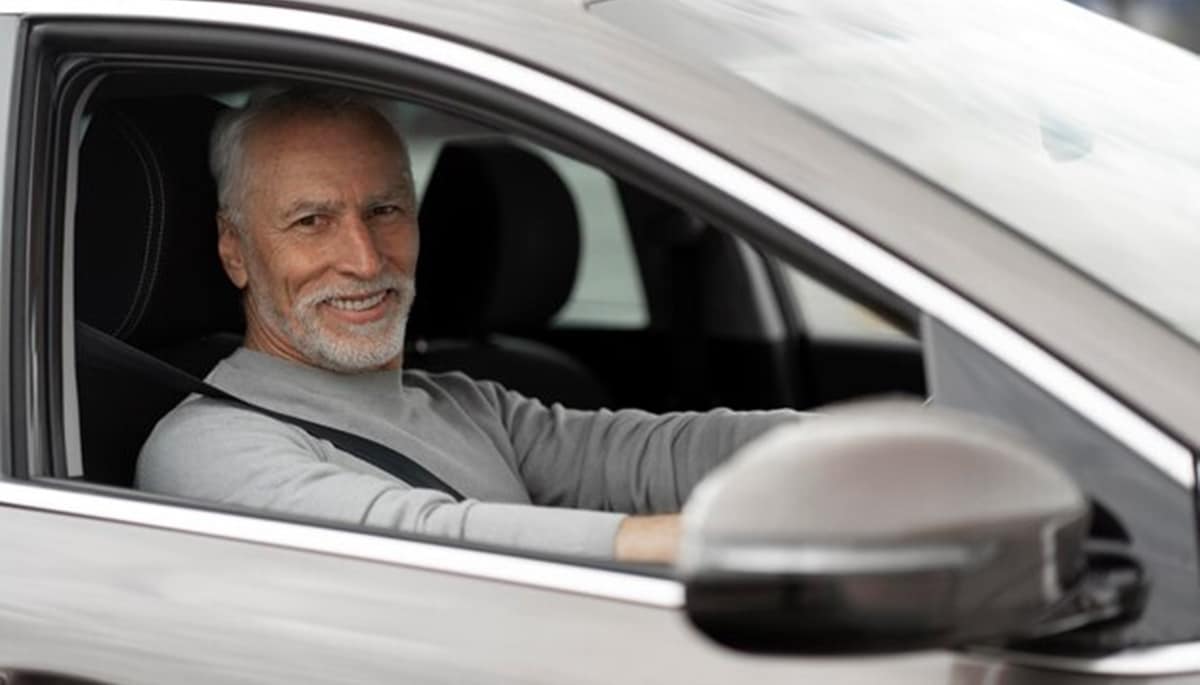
(499, 242)
(146, 265)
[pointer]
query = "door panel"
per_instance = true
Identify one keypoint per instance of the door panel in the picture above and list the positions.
(87, 598)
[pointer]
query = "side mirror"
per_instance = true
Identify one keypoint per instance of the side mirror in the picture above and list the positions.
(880, 527)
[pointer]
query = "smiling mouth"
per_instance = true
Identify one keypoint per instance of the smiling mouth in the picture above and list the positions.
(358, 304)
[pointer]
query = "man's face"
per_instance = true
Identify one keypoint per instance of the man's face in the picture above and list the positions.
(327, 245)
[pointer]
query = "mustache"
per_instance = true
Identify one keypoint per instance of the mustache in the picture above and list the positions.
(403, 286)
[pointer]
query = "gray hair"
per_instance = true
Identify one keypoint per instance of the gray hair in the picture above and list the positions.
(226, 152)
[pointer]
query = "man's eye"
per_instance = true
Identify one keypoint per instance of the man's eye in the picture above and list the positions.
(308, 221)
(385, 210)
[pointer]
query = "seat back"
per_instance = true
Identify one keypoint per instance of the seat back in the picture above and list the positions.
(500, 244)
(146, 267)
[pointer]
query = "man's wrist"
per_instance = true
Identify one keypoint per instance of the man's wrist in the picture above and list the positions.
(648, 539)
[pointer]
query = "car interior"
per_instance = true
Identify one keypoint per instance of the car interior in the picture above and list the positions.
(720, 325)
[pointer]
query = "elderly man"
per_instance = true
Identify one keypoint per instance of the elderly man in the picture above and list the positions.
(317, 227)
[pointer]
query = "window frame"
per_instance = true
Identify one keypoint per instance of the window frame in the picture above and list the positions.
(12, 46)
(58, 119)
(854, 255)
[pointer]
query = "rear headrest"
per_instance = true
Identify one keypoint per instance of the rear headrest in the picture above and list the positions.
(499, 242)
(146, 265)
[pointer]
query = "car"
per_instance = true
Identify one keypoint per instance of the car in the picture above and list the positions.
(983, 211)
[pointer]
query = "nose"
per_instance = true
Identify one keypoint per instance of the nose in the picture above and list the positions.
(358, 254)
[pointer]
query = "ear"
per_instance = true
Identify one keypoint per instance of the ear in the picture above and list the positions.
(229, 247)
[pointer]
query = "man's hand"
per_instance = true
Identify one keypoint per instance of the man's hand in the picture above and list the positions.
(648, 539)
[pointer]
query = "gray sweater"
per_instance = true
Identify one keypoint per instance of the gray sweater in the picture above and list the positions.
(536, 477)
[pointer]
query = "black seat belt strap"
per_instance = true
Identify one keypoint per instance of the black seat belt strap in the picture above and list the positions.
(109, 352)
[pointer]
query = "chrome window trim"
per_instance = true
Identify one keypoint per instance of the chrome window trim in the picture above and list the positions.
(1044, 370)
(8, 82)
(664, 593)
(73, 440)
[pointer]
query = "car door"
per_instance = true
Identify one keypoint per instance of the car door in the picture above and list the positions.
(109, 585)
(115, 586)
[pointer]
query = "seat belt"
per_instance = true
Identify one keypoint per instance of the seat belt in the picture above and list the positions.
(108, 352)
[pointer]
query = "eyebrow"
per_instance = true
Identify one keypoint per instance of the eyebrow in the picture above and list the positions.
(312, 207)
(392, 195)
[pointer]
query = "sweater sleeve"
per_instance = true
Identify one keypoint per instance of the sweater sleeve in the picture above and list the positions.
(211, 451)
(628, 460)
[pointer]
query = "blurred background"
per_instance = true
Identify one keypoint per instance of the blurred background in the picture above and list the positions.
(1177, 21)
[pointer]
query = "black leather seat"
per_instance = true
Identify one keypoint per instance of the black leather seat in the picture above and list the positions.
(146, 267)
(500, 244)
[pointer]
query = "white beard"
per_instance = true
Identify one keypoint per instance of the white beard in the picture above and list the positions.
(355, 347)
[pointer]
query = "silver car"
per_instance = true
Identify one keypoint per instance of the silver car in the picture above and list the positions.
(986, 212)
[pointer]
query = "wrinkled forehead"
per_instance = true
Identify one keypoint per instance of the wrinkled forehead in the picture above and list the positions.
(314, 129)
(360, 117)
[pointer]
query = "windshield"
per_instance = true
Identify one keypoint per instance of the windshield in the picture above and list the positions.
(1075, 131)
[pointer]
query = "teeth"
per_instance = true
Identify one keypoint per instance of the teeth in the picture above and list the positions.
(357, 305)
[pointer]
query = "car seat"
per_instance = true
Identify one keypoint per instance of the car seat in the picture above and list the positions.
(500, 244)
(146, 268)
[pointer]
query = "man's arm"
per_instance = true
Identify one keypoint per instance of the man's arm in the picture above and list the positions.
(628, 460)
(213, 451)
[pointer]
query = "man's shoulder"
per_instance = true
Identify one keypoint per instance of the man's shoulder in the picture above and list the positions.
(211, 418)
(203, 423)
(196, 411)
(199, 437)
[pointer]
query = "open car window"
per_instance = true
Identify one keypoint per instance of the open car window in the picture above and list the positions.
(505, 228)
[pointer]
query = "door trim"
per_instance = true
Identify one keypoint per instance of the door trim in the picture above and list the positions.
(633, 588)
